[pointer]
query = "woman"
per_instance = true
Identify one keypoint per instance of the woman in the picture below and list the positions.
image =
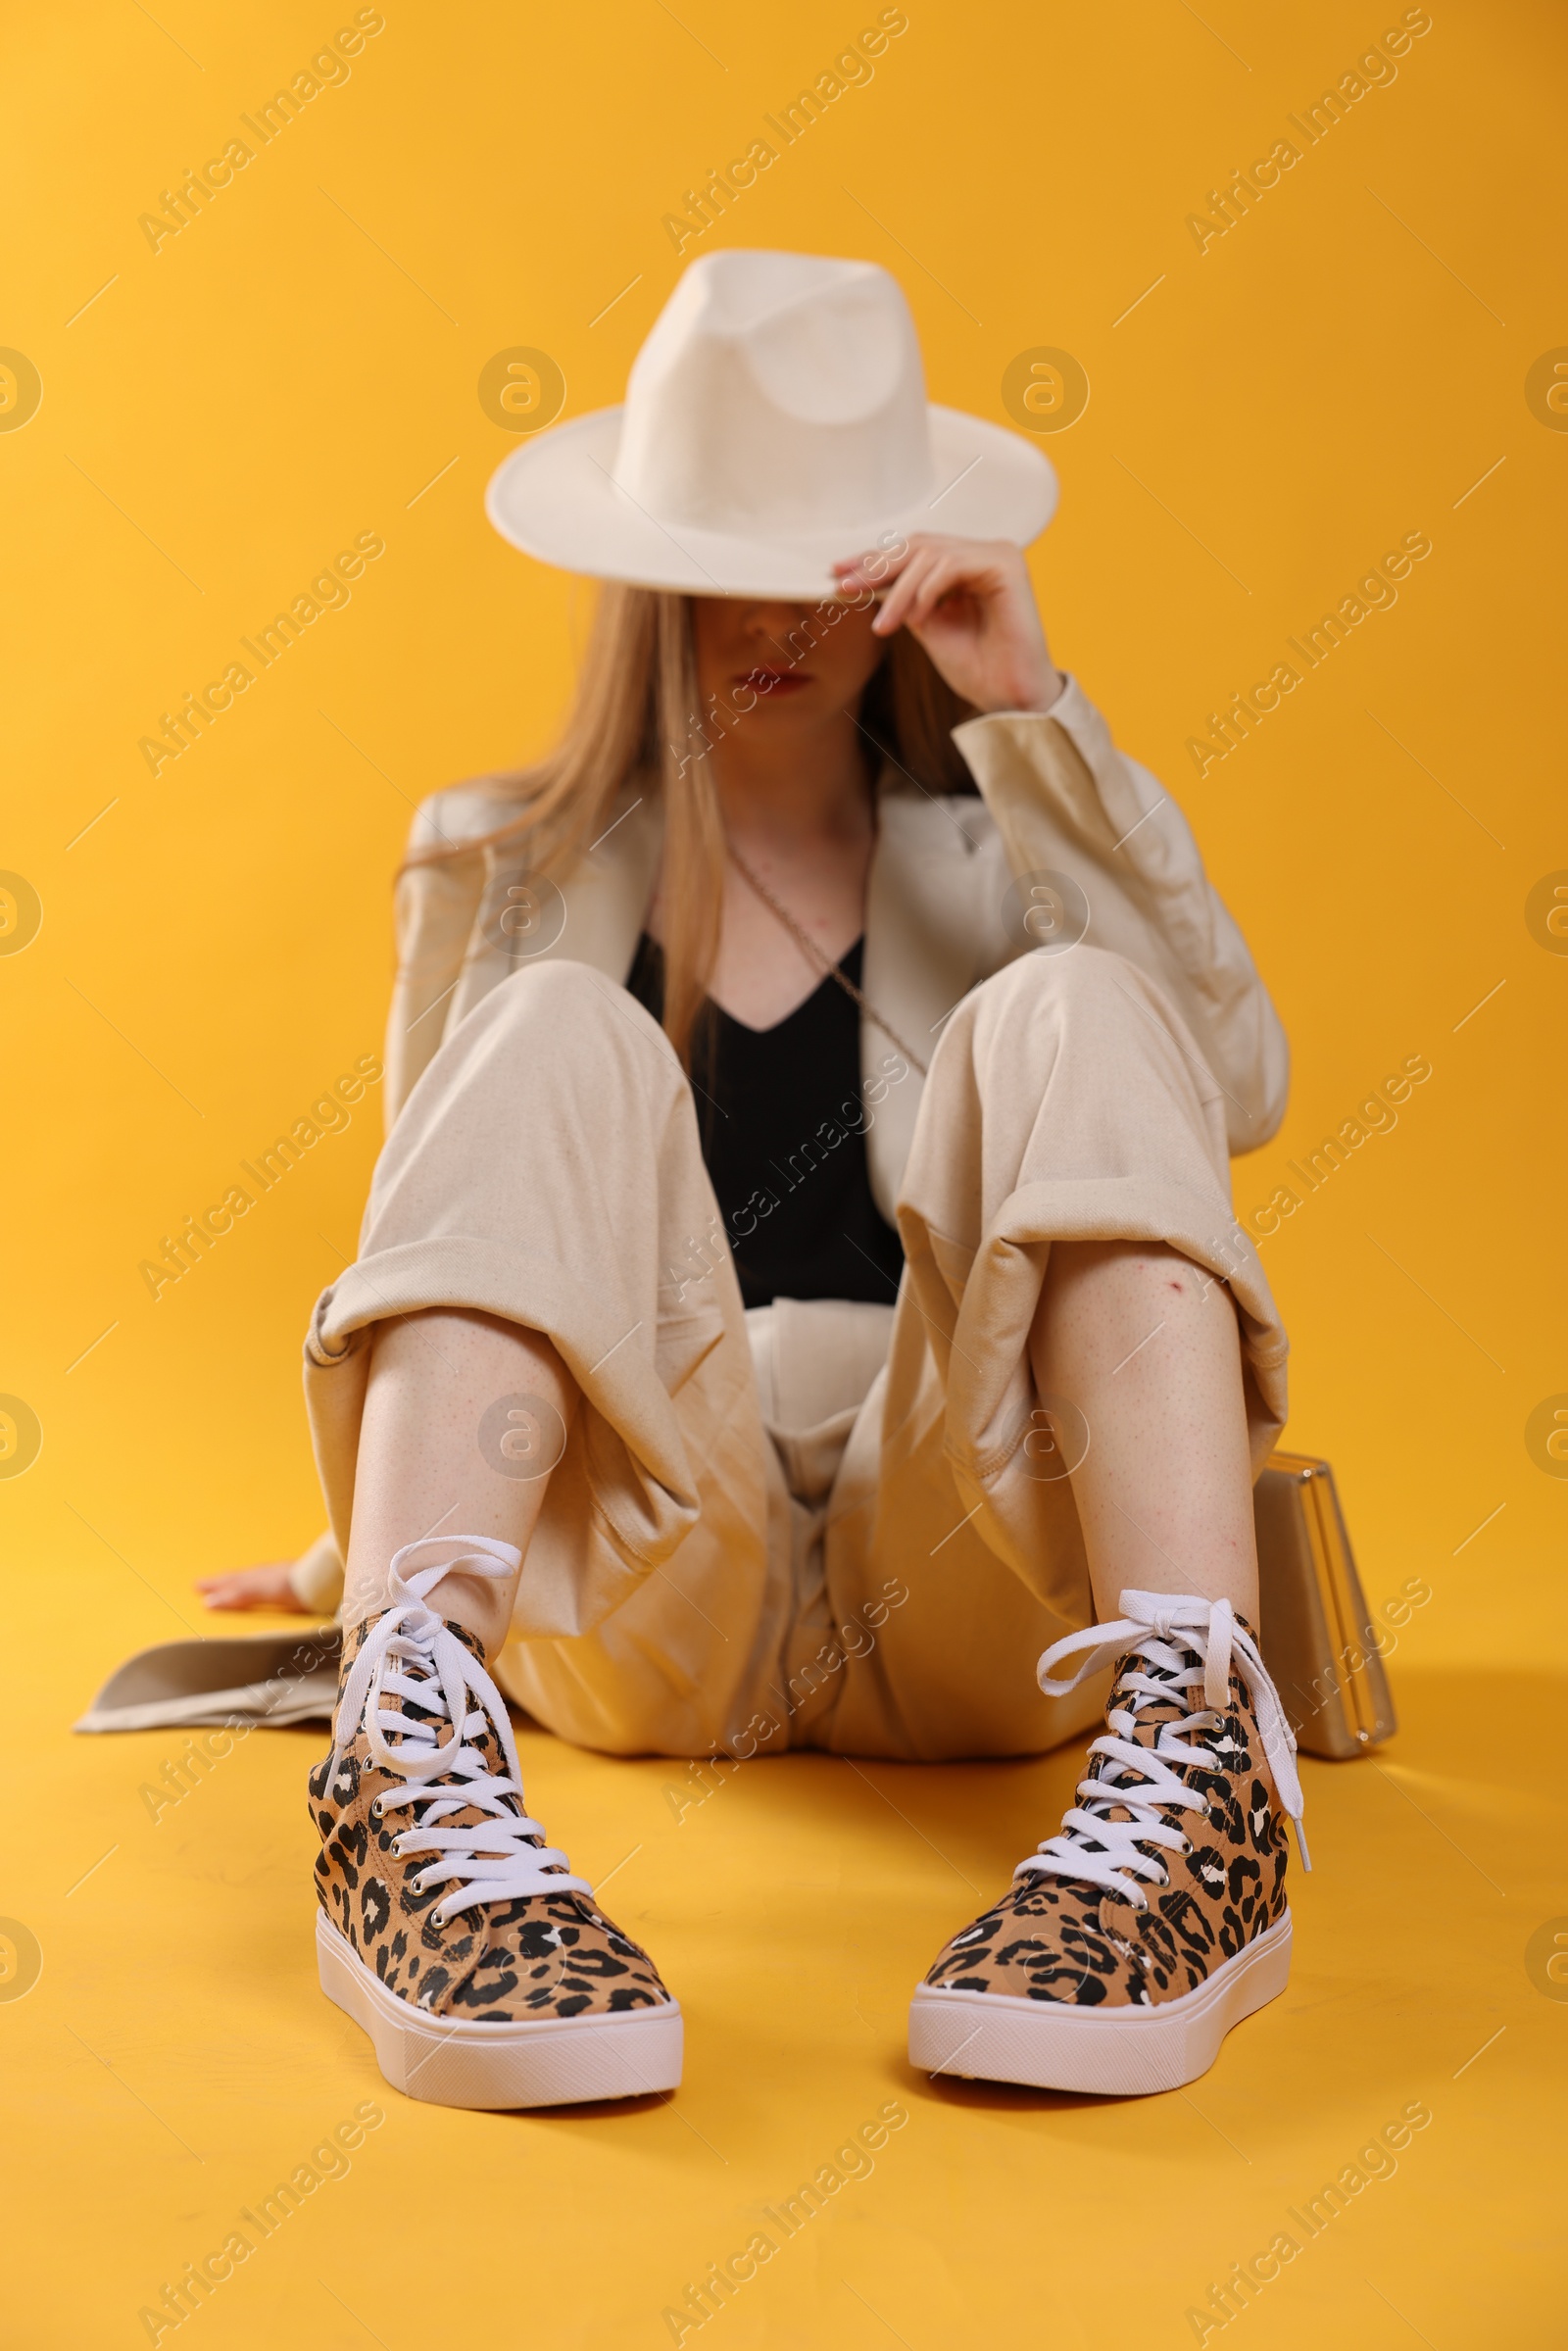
(800, 1284)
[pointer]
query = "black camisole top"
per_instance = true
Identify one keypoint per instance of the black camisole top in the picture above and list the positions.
(782, 1116)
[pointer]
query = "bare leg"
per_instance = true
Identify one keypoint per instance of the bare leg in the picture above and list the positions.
(1145, 1344)
(427, 1468)
(465, 1906)
(1136, 1906)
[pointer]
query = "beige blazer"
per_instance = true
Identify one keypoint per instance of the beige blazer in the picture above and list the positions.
(1056, 795)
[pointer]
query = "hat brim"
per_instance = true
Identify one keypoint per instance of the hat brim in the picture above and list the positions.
(557, 499)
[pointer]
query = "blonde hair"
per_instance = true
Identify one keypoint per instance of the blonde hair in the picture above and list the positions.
(636, 710)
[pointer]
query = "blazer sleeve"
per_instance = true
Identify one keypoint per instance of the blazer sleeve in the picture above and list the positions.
(435, 909)
(1065, 799)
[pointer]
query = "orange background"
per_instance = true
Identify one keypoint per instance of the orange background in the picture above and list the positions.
(1267, 417)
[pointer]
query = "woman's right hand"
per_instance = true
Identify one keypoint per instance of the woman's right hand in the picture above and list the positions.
(254, 1587)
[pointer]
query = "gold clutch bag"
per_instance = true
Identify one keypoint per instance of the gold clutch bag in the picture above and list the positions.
(1318, 1638)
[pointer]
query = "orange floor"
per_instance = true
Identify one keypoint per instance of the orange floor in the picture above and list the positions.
(176, 2062)
(190, 425)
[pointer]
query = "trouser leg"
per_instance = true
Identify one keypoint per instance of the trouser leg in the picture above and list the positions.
(547, 1170)
(1066, 1101)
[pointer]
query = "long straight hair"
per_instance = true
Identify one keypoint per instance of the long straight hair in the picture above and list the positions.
(637, 711)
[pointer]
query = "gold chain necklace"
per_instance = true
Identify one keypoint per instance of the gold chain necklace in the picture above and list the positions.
(815, 957)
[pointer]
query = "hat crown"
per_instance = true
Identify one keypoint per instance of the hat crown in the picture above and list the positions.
(777, 391)
(775, 422)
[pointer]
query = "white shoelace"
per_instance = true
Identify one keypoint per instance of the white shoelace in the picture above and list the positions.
(1144, 1781)
(409, 1655)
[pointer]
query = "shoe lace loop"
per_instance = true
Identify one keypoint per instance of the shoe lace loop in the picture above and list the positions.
(1144, 1782)
(411, 1655)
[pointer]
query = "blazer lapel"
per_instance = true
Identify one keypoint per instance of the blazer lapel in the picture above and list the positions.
(605, 896)
(920, 958)
(924, 925)
(593, 914)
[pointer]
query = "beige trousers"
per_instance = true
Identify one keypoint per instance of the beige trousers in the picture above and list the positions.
(821, 1524)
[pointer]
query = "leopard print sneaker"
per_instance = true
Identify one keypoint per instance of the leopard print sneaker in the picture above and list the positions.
(449, 1929)
(1130, 1943)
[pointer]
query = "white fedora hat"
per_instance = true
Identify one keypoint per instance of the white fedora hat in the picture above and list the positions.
(776, 420)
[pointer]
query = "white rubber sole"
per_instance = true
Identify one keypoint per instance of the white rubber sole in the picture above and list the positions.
(1125, 2052)
(553, 2061)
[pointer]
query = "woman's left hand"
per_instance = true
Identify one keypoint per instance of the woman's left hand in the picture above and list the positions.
(972, 605)
(254, 1587)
